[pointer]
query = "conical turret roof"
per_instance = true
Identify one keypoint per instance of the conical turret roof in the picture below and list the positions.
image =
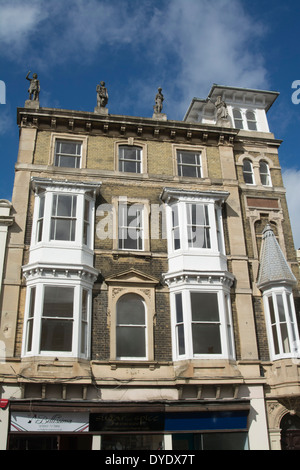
(274, 267)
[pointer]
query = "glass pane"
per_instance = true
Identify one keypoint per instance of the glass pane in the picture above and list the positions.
(248, 178)
(179, 312)
(29, 334)
(42, 206)
(131, 341)
(180, 339)
(285, 338)
(58, 301)
(225, 441)
(281, 311)
(83, 345)
(190, 171)
(131, 310)
(62, 229)
(66, 206)
(247, 166)
(275, 339)
(71, 148)
(84, 305)
(271, 308)
(68, 162)
(130, 153)
(32, 302)
(130, 167)
(204, 306)
(56, 335)
(206, 338)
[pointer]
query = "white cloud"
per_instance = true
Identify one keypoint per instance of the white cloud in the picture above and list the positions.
(18, 21)
(188, 44)
(291, 179)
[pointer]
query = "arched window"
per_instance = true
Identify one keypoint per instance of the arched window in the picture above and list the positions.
(264, 172)
(248, 172)
(131, 327)
(251, 121)
(238, 119)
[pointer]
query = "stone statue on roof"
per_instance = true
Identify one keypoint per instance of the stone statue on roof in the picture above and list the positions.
(102, 95)
(222, 116)
(157, 108)
(159, 98)
(34, 87)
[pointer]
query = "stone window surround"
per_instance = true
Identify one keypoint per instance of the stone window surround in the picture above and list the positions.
(68, 137)
(255, 161)
(131, 282)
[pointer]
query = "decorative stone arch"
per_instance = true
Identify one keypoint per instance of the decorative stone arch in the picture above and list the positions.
(276, 411)
(255, 160)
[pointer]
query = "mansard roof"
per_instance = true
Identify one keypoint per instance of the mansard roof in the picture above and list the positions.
(274, 268)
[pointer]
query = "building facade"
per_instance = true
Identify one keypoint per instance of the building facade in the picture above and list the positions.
(150, 281)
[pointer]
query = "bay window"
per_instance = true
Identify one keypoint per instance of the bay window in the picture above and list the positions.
(202, 323)
(58, 317)
(283, 334)
(64, 212)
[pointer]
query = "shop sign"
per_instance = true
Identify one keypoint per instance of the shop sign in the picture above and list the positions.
(49, 422)
(119, 422)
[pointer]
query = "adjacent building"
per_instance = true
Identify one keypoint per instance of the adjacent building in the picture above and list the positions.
(150, 282)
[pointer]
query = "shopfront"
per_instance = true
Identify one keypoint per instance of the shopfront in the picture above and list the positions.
(128, 426)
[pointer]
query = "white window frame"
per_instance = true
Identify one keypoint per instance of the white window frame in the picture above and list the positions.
(138, 161)
(139, 204)
(225, 322)
(143, 326)
(266, 174)
(242, 121)
(36, 317)
(276, 323)
(59, 155)
(251, 122)
(197, 165)
(248, 172)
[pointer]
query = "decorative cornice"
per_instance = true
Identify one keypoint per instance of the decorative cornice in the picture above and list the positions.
(223, 278)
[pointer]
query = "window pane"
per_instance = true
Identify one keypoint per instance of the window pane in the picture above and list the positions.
(206, 338)
(179, 312)
(175, 228)
(204, 306)
(58, 301)
(238, 120)
(130, 159)
(56, 335)
(131, 341)
(67, 154)
(281, 311)
(285, 338)
(30, 317)
(180, 339)
(189, 164)
(131, 310)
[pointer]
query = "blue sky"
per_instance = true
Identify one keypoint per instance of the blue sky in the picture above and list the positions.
(135, 46)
